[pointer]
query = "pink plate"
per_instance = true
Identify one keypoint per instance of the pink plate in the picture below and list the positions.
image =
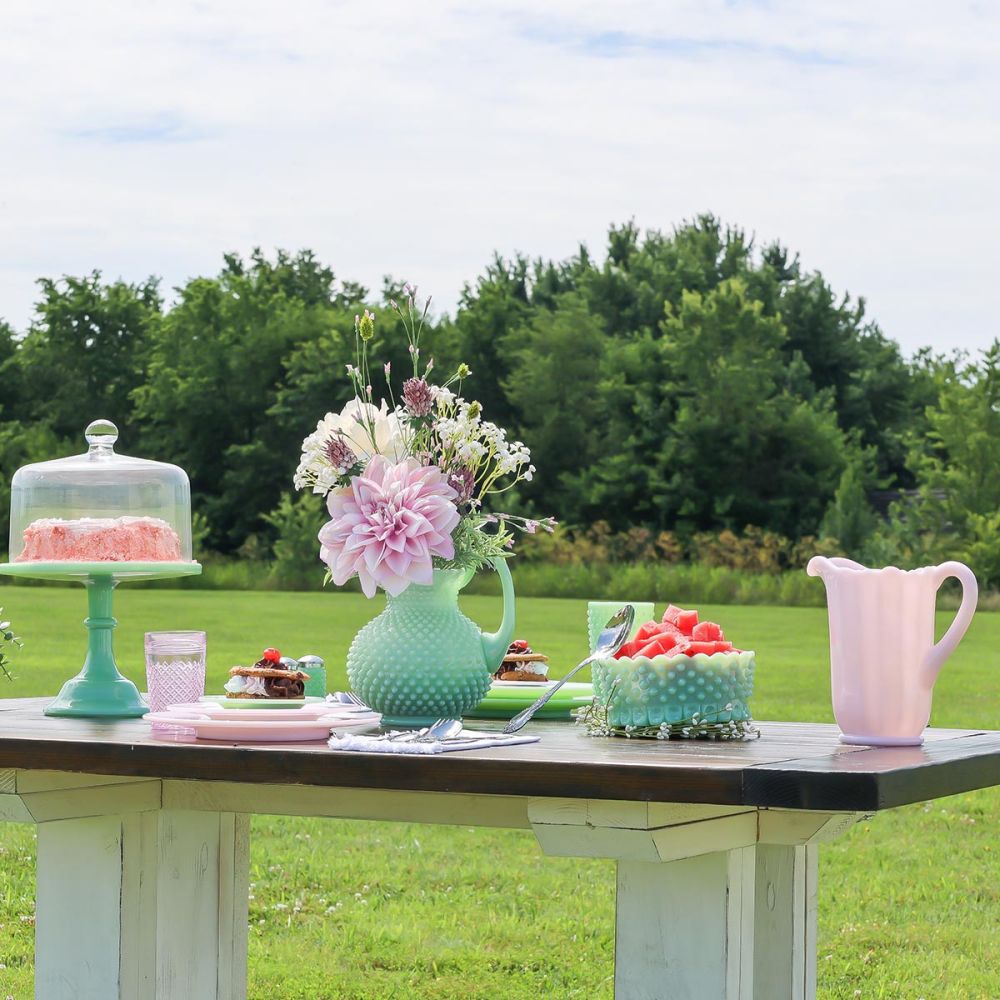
(304, 713)
(240, 730)
(523, 684)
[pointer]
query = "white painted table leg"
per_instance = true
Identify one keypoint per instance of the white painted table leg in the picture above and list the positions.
(685, 929)
(148, 906)
(714, 902)
(77, 910)
(785, 926)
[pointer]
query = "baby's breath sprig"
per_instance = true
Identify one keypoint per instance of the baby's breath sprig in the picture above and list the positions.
(596, 720)
(8, 639)
(462, 440)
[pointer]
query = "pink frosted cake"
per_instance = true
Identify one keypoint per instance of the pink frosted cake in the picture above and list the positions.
(100, 539)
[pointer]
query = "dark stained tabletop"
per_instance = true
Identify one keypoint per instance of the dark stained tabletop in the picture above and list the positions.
(792, 765)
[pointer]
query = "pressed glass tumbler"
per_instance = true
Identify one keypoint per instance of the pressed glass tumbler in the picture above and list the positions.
(599, 613)
(175, 668)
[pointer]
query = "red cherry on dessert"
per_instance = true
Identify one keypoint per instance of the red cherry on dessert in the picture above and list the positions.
(272, 655)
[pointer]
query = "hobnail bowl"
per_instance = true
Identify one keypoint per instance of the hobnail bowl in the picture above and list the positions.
(674, 690)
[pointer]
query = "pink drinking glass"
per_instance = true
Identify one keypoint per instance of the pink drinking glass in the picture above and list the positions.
(175, 668)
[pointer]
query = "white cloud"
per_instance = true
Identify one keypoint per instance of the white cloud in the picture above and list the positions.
(417, 139)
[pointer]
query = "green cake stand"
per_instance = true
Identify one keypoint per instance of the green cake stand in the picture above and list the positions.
(99, 691)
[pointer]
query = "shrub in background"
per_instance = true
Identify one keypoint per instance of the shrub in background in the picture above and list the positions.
(756, 550)
(684, 583)
(850, 517)
(296, 562)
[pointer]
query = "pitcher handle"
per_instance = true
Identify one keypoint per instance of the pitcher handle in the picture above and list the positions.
(963, 618)
(495, 643)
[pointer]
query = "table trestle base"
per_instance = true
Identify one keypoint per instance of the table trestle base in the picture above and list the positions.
(712, 901)
(133, 901)
(137, 877)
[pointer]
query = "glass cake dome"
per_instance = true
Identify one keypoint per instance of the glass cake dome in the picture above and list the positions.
(100, 507)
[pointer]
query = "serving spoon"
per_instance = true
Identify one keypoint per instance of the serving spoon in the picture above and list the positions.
(611, 639)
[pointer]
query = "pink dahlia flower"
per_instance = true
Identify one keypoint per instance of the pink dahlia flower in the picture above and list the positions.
(388, 525)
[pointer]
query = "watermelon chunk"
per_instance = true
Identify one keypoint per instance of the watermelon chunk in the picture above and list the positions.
(708, 647)
(678, 632)
(651, 630)
(707, 632)
(684, 620)
(630, 648)
(665, 642)
(668, 628)
(647, 630)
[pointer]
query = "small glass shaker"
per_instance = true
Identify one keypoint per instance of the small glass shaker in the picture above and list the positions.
(315, 667)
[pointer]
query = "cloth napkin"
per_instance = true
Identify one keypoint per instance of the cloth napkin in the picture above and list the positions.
(475, 741)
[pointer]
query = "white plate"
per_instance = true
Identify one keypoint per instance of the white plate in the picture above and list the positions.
(232, 730)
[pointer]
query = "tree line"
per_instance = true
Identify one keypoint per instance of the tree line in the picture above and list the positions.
(686, 381)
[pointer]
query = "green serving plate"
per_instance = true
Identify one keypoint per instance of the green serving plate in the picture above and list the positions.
(503, 702)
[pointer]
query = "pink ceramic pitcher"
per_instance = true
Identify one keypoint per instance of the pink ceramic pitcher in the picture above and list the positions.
(883, 658)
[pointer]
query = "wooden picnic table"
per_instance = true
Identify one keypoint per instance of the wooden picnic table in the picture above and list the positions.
(143, 845)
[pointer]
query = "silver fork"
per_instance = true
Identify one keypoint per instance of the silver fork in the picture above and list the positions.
(410, 735)
(425, 734)
(443, 730)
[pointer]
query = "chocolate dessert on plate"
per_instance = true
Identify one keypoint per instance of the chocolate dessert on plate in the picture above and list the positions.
(522, 663)
(270, 677)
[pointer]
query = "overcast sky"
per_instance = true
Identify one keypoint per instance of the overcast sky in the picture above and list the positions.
(415, 138)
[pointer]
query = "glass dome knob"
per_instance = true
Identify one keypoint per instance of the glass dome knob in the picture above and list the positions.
(101, 434)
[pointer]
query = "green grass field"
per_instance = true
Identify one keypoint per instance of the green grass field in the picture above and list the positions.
(909, 903)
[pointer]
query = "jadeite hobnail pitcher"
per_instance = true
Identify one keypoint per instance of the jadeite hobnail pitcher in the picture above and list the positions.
(422, 659)
(883, 658)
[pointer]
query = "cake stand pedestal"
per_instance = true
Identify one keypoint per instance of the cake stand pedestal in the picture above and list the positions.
(99, 691)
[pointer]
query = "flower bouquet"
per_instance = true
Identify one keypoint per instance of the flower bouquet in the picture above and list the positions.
(408, 485)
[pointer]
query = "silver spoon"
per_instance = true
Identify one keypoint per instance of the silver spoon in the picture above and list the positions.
(445, 729)
(612, 636)
(442, 729)
(405, 735)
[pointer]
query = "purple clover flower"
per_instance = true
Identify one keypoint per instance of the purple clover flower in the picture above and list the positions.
(340, 454)
(463, 482)
(417, 397)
